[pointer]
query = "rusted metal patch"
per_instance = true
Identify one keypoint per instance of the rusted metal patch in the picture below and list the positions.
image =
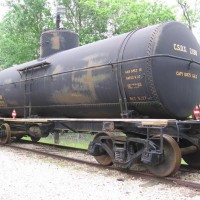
(55, 41)
(108, 126)
(2, 102)
(83, 89)
(58, 69)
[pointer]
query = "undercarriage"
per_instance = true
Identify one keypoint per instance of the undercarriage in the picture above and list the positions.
(158, 144)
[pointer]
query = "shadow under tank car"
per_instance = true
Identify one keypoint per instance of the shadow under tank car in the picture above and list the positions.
(128, 83)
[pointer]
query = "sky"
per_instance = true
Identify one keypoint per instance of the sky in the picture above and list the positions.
(3, 11)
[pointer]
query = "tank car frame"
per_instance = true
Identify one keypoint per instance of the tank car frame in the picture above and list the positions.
(157, 143)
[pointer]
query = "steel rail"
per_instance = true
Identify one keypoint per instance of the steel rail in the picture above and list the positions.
(165, 180)
(47, 144)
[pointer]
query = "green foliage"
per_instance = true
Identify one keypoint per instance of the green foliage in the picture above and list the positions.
(91, 19)
(88, 18)
(98, 19)
(137, 14)
(21, 29)
(190, 12)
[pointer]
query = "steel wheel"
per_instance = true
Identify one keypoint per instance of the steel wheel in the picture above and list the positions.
(172, 158)
(104, 159)
(35, 133)
(5, 128)
(193, 159)
(35, 139)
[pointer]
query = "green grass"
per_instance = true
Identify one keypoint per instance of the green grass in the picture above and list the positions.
(183, 162)
(72, 140)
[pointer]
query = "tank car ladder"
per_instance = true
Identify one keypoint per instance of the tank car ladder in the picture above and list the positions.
(27, 94)
(27, 76)
(123, 102)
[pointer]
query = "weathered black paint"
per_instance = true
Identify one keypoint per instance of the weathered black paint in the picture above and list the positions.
(89, 81)
(54, 41)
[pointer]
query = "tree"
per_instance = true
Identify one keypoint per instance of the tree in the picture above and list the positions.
(98, 19)
(137, 14)
(21, 29)
(91, 19)
(190, 12)
(88, 18)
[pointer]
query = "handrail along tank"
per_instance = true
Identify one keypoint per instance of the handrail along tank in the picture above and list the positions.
(154, 71)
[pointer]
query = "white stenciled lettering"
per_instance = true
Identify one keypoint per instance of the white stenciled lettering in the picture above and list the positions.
(179, 47)
(193, 52)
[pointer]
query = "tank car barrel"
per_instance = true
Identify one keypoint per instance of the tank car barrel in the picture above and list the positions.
(151, 72)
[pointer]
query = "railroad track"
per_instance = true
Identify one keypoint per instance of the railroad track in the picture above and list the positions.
(189, 169)
(50, 145)
(53, 151)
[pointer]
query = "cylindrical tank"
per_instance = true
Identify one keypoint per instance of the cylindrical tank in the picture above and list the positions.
(155, 69)
(53, 41)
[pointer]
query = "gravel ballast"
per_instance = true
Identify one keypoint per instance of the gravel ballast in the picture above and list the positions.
(28, 176)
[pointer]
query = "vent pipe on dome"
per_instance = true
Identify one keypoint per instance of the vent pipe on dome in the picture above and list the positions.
(60, 39)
